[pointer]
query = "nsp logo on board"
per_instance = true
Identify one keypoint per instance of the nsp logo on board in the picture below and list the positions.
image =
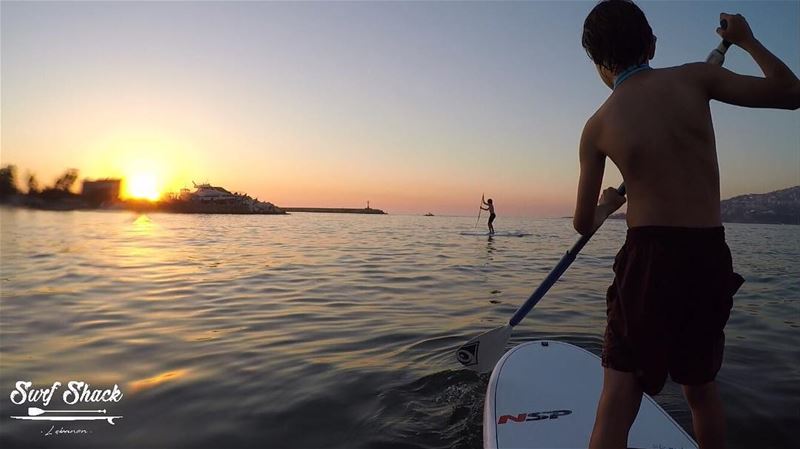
(533, 416)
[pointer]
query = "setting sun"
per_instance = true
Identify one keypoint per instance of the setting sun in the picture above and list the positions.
(142, 186)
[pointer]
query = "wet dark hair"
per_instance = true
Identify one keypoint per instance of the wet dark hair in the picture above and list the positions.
(616, 35)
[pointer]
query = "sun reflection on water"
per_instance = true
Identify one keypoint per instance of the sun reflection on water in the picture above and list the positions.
(154, 381)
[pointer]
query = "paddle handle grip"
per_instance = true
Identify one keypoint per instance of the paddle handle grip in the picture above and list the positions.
(724, 25)
(717, 55)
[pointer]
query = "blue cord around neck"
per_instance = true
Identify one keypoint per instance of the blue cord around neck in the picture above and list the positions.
(627, 73)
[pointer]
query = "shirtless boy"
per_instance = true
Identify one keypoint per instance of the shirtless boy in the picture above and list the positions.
(674, 282)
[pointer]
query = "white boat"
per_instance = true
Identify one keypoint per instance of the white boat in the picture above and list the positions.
(213, 199)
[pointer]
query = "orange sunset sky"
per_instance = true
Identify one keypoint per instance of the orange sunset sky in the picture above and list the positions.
(415, 106)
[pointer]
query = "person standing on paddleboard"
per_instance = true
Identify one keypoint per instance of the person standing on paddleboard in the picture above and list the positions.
(490, 207)
(674, 281)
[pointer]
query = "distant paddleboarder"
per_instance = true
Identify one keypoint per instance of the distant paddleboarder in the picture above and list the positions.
(490, 207)
(673, 279)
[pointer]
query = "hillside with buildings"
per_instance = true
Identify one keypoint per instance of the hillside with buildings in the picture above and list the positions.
(778, 207)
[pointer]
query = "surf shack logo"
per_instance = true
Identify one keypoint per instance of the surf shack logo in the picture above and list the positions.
(77, 393)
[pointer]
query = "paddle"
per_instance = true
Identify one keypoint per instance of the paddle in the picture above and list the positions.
(482, 352)
(480, 208)
(717, 55)
(35, 411)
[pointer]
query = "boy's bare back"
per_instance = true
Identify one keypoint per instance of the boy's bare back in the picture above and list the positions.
(656, 128)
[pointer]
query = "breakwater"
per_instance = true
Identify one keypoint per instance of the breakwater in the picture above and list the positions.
(335, 210)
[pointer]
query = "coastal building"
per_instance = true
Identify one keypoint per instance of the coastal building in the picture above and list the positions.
(101, 191)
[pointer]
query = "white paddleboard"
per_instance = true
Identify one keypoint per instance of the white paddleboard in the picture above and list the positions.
(543, 394)
(497, 234)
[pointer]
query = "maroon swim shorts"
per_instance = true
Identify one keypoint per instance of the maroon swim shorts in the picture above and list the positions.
(667, 307)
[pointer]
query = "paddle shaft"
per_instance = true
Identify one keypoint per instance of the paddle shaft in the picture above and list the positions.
(555, 273)
(717, 56)
(35, 411)
(480, 208)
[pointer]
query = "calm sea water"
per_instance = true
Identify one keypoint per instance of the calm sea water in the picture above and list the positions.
(311, 331)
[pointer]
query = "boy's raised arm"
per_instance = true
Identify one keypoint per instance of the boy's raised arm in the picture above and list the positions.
(779, 88)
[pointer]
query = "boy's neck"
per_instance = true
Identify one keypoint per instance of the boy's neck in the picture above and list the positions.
(627, 73)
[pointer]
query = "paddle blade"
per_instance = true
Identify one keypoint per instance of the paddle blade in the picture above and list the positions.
(35, 411)
(482, 352)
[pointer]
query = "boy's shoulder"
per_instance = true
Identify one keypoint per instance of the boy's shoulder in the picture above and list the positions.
(693, 73)
(593, 123)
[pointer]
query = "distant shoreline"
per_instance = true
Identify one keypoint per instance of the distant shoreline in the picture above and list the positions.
(335, 210)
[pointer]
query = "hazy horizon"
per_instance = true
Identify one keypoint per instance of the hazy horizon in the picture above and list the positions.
(415, 106)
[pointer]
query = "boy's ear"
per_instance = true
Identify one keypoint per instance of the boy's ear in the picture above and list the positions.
(606, 76)
(652, 52)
